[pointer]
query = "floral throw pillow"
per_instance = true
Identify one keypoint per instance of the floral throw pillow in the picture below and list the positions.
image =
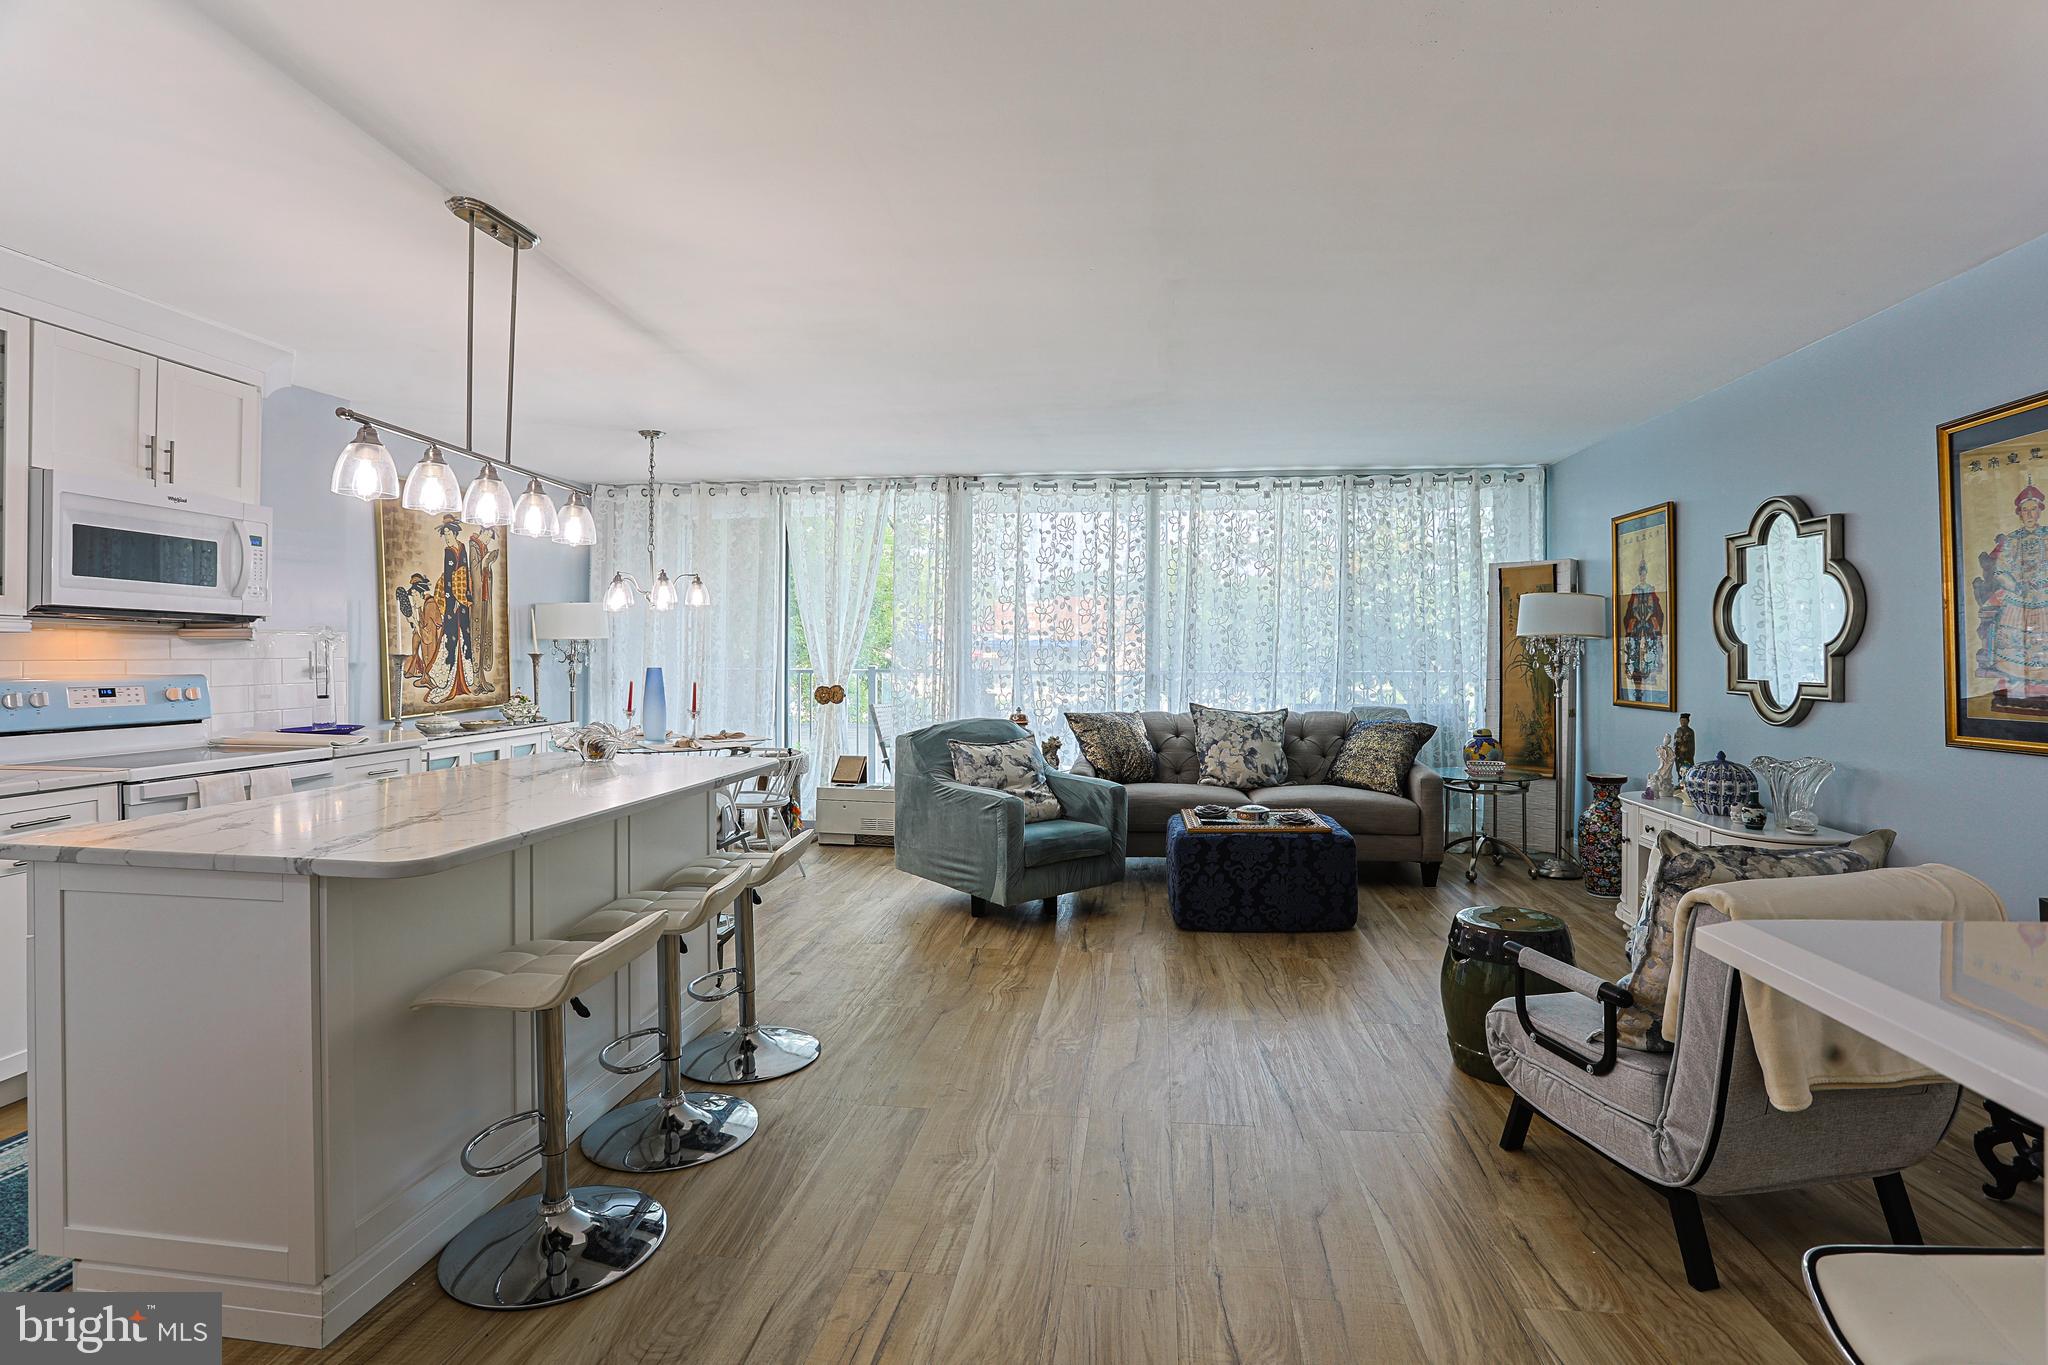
(1680, 866)
(1376, 755)
(1115, 744)
(1241, 749)
(1007, 767)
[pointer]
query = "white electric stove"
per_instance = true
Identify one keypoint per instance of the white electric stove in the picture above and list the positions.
(148, 735)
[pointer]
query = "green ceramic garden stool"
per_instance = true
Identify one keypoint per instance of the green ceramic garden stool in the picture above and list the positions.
(1477, 972)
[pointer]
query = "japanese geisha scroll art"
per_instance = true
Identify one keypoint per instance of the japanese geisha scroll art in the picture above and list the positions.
(1645, 558)
(443, 597)
(1994, 576)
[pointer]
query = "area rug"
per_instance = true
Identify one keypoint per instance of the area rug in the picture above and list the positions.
(22, 1268)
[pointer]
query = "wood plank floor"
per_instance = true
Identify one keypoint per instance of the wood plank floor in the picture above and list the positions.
(1085, 1136)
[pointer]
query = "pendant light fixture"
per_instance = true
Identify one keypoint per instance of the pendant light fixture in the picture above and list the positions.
(661, 591)
(432, 485)
(365, 469)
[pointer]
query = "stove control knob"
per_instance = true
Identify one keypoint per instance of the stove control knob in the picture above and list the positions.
(173, 693)
(11, 701)
(39, 699)
(191, 694)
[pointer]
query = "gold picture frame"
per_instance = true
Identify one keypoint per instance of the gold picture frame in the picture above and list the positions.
(1992, 468)
(1645, 605)
(1520, 695)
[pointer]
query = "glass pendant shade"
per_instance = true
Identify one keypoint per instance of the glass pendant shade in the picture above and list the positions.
(662, 596)
(432, 485)
(535, 513)
(488, 502)
(618, 594)
(576, 526)
(364, 469)
(695, 595)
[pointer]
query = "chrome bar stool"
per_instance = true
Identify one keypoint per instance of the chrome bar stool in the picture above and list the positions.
(562, 1243)
(754, 1051)
(675, 1129)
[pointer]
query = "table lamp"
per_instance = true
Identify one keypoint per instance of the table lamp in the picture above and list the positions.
(572, 626)
(1554, 628)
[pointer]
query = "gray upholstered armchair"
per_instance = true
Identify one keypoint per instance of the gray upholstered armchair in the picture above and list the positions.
(974, 839)
(1696, 1120)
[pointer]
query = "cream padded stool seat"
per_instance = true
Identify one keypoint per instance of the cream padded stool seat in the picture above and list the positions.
(674, 1129)
(754, 1051)
(1918, 1305)
(562, 1243)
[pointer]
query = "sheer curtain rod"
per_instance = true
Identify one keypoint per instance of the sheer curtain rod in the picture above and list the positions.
(1012, 482)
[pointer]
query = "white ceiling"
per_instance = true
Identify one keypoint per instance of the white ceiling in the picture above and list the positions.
(848, 236)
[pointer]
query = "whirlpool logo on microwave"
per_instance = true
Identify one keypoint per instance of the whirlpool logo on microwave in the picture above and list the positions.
(172, 1329)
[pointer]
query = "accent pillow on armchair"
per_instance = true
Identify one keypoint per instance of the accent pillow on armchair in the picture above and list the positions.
(1241, 749)
(1681, 866)
(1008, 767)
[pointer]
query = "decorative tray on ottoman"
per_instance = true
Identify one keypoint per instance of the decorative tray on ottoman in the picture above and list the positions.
(1244, 820)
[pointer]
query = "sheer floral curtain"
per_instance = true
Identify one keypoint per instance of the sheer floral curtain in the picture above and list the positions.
(1059, 588)
(732, 535)
(837, 535)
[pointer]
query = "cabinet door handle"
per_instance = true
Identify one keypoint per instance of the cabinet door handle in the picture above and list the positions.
(383, 772)
(149, 445)
(46, 820)
(14, 868)
(171, 460)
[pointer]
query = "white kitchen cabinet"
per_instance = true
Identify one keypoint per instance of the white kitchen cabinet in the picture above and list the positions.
(14, 400)
(1642, 820)
(92, 408)
(19, 815)
(112, 412)
(377, 767)
(13, 978)
(209, 433)
(467, 750)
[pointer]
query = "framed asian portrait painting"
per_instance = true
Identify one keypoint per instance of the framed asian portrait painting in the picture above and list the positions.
(1994, 576)
(447, 636)
(1520, 695)
(1644, 546)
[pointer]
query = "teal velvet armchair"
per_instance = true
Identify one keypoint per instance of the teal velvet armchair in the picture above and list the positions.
(974, 839)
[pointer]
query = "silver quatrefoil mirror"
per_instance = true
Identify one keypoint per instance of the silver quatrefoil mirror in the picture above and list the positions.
(1789, 611)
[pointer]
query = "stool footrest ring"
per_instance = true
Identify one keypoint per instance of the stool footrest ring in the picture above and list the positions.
(712, 997)
(539, 1147)
(604, 1055)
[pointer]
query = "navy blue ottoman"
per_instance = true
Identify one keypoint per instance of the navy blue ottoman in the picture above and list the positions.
(1261, 882)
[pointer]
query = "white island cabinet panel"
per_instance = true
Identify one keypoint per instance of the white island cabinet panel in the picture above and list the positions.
(13, 980)
(244, 976)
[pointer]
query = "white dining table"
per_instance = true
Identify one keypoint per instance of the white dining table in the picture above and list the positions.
(1967, 1000)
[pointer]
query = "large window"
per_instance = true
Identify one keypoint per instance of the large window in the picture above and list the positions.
(934, 598)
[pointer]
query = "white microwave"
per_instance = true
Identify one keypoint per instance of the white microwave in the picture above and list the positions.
(111, 548)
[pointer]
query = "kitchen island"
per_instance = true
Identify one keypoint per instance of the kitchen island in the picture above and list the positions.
(229, 1091)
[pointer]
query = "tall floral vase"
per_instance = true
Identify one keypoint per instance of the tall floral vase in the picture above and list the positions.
(1600, 835)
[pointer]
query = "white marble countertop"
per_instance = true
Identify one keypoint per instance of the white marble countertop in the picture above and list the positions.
(402, 827)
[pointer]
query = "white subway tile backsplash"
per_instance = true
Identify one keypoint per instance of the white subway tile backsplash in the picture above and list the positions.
(257, 684)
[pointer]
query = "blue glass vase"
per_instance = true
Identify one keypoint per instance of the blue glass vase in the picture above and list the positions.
(654, 707)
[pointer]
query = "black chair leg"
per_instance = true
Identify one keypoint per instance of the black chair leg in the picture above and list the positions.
(1692, 1239)
(1516, 1129)
(1429, 871)
(1898, 1210)
(976, 906)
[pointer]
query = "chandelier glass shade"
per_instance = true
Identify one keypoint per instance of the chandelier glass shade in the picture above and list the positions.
(432, 485)
(575, 525)
(488, 502)
(534, 514)
(364, 468)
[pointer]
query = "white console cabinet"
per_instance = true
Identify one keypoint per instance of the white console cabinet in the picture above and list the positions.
(1642, 820)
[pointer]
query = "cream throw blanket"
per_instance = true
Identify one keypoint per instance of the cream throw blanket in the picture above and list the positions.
(1799, 1048)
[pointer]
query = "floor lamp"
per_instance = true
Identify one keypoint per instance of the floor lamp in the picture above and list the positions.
(1554, 628)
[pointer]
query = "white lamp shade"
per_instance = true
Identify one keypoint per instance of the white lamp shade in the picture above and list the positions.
(570, 621)
(1561, 613)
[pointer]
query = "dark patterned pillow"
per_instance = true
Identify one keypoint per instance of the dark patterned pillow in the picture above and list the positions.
(1377, 755)
(1679, 866)
(1241, 749)
(1010, 767)
(1115, 744)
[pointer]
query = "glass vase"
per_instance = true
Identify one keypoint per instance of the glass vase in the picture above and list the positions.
(1795, 788)
(654, 707)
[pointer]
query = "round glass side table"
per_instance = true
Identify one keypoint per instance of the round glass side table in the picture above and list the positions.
(1483, 791)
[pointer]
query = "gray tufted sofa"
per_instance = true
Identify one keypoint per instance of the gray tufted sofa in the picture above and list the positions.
(1386, 829)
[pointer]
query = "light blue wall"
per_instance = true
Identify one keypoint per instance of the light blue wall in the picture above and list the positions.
(1847, 424)
(325, 564)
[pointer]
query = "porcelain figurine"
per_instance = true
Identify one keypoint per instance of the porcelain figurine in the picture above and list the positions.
(1660, 784)
(1683, 742)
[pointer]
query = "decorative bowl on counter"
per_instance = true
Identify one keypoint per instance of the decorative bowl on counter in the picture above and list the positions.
(521, 710)
(433, 726)
(1718, 785)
